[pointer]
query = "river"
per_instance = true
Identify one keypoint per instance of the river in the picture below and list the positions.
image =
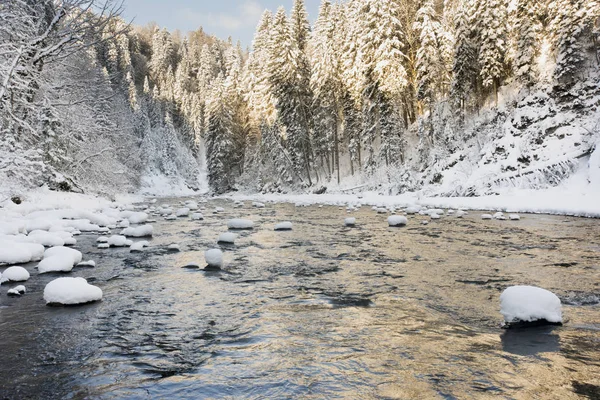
(322, 311)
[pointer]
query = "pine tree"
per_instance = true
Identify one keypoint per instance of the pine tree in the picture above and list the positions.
(493, 52)
(465, 66)
(528, 43)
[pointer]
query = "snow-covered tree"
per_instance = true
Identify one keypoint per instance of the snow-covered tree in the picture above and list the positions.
(492, 24)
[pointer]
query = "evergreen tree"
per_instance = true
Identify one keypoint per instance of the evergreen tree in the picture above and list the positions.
(528, 43)
(465, 66)
(493, 20)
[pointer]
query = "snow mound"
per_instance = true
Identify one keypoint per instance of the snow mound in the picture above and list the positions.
(499, 216)
(102, 239)
(514, 217)
(90, 263)
(59, 259)
(14, 274)
(124, 224)
(71, 291)
(138, 246)
(486, 216)
(257, 204)
(350, 221)
(284, 226)
(214, 258)
(140, 231)
(192, 205)
(170, 218)
(219, 210)
(104, 246)
(119, 241)
(183, 212)
(413, 210)
(240, 224)
(434, 216)
(529, 304)
(197, 217)
(460, 214)
(46, 239)
(135, 217)
(19, 253)
(174, 247)
(17, 291)
(397, 220)
(227, 237)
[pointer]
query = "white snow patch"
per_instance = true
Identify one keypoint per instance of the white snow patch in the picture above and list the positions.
(17, 291)
(397, 220)
(119, 241)
(14, 274)
(59, 259)
(138, 246)
(350, 221)
(17, 252)
(182, 212)
(197, 217)
(530, 303)
(486, 216)
(140, 231)
(240, 224)
(70, 291)
(284, 226)
(214, 258)
(227, 237)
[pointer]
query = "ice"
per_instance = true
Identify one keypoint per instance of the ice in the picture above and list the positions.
(140, 231)
(90, 263)
(119, 241)
(514, 217)
(240, 224)
(197, 217)
(70, 291)
(14, 274)
(17, 291)
(397, 220)
(183, 212)
(227, 237)
(528, 304)
(59, 259)
(486, 216)
(284, 226)
(350, 221)
(14, 252)
(138, 246)
(214, 258)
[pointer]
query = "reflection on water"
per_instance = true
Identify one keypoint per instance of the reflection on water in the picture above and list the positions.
(323, 311)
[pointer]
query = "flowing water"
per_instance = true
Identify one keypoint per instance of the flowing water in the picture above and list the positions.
(320, 312)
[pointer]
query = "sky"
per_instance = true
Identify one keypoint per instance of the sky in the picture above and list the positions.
(222, 18)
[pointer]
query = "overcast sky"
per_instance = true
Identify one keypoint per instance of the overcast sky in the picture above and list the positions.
(222, 18)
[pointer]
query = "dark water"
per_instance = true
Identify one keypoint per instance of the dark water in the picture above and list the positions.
(323, 311)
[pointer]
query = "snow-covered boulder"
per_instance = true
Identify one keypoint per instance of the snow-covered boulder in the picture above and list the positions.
(514, 217)
(139, 231)
(119, 241)
(12, 252)
(522, 304)
(59, 259)
(227, 237)
(171, 217)
(434, 216)
(397, 220)
(460, 214)
(486, 216)
(124, 224)
(214, 258)
(104, 246)
(424, 222)
(499, 215)
(71, 291)
(381, 210)
(192, 205)
(46, 239)
(350, 221)
(219, 210)
(437, 211)
(14, 274)
(239, 223)
(102, 239)
(197, 217)
(137, 217)
(257, 204)
(89, 263)
(174, 247)
(412, 210)
(17, 291)
(183, 212)
(284, 226)
(138, 247)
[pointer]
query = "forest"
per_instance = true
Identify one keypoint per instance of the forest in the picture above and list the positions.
(384, 90)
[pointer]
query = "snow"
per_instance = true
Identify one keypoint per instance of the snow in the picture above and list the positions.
(350, 221)
(138, 246)
(397, 220)
(124, 224)
(240, 224)
(434, 216)
(514, 217)
(487, 216)
(197, 217)
(257, 204)
(46, 239)
(227, 237)
(214, 258)
(17, 291)
(140, 231)
(219, 210)
(71, 291)
(192, 205)
(119, 241)
(59, 259)
(14, 274)
(89, 263)
(12, 251)
(182, 212)
(528, 304)
(284, 226)
(135, 217)
(173, 247)
(102, 239)
(104, 246)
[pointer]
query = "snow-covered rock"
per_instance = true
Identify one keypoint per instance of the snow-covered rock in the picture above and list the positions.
(139, 231)
(257, 204)
(124, 224)
(183, 212)
(397, 220)
(350, 221)
(170, 217)
(174, 247)
(214, 258)
(424, 222)
(71, 291)
(437, 211)
(460, 214)
(17, 291)
(14, 274)
(89, 263)
(13, 252)
(137, 217)
(529, 304)
(499, 215)
(434, 216)
(381, 210)
(102, 239)
(59, 259)
(412, 210)
(219, 210)
(119, 241)
(227, 237)
(46, 239)
(284, 226)
(486, 216)
(104, 246)
(239, 223)
(138, 246)
(514, 217)
(197, 217)
(192, 205)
